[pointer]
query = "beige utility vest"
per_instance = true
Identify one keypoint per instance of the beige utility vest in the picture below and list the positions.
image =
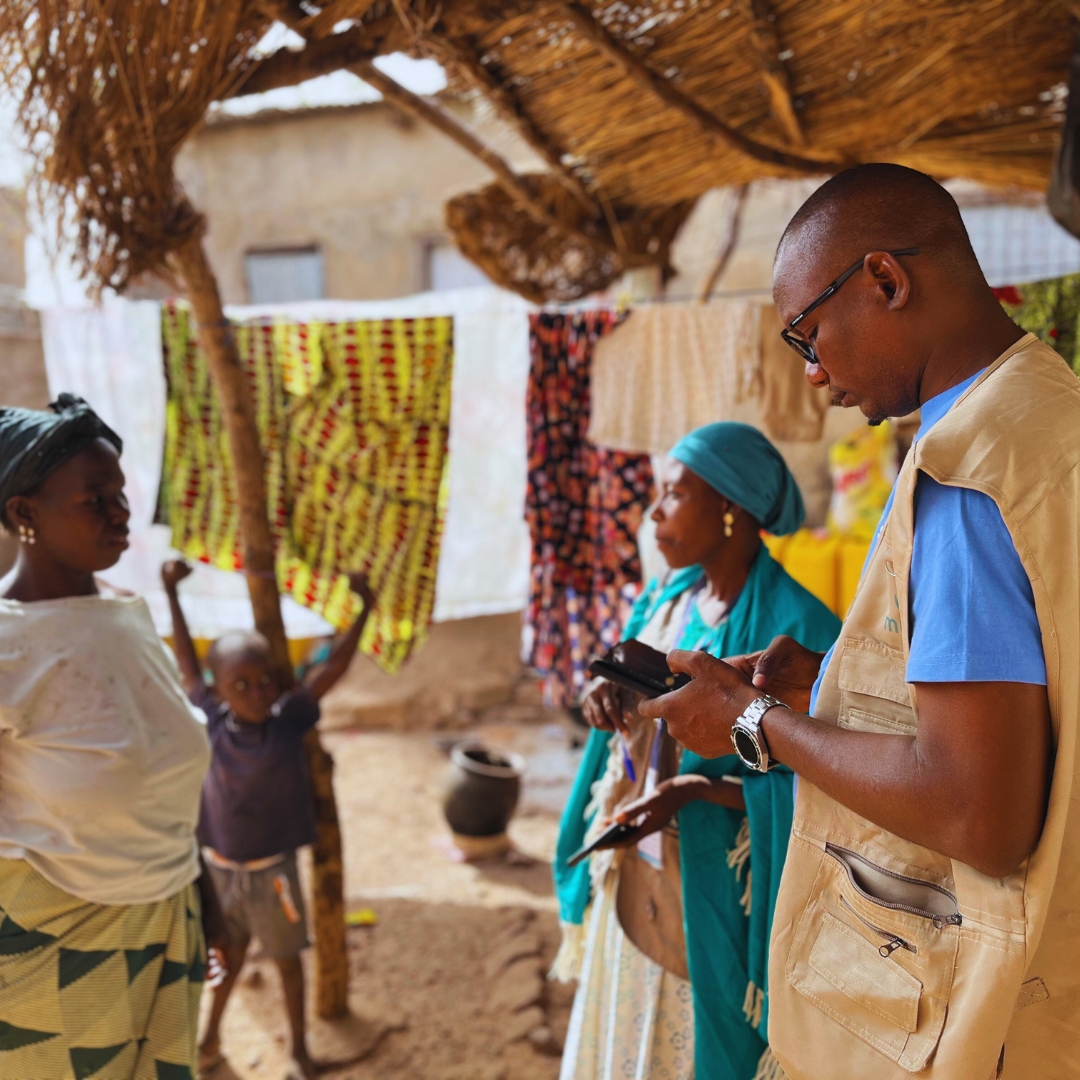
(887, 958)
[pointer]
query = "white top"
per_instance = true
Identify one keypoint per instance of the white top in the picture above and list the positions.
(102, 757)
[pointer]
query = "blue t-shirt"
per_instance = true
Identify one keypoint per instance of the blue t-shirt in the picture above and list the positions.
(972, 610)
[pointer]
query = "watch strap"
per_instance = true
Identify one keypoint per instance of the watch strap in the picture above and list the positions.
(750, 722)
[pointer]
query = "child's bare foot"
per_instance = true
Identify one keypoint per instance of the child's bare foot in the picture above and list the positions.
(210, 1056)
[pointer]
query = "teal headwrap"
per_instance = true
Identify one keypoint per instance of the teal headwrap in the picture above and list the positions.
(740, 463)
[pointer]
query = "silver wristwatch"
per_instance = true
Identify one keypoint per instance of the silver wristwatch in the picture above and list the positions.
(747, 736)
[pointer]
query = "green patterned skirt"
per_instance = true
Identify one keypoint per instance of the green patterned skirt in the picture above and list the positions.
(95, 990)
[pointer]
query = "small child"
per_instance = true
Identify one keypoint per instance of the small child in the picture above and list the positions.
(257, 807)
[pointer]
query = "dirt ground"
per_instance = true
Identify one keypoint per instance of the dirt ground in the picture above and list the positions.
(449, 984)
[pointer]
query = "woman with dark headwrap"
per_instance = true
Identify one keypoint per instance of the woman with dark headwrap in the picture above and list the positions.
(101, 764)
(635, 1013)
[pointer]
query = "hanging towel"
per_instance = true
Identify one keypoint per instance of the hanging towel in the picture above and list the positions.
(671, 368)
(353, 418)
(790, 409)
(583, 506)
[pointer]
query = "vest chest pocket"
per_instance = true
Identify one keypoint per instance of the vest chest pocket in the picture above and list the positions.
(876, 951)
(873, 693)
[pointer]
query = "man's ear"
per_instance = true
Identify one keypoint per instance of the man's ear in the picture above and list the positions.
(890, 277)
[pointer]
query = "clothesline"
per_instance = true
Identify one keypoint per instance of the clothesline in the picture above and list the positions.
(615, 304)
(484, 563)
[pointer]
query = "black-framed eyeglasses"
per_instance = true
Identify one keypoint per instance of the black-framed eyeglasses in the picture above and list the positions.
(795, 339)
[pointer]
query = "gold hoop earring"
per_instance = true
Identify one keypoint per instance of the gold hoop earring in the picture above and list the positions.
(729, 520)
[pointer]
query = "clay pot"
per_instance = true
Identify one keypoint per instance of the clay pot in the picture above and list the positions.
(482, 792)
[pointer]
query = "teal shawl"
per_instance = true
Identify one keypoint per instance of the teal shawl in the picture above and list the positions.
(727, 951)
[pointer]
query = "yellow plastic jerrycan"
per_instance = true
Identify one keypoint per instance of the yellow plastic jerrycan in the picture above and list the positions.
(812, 558)
(852, 556)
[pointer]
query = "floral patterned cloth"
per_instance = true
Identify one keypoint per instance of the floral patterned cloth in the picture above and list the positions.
(1050, 310)
(631, 1018)
(583, 505)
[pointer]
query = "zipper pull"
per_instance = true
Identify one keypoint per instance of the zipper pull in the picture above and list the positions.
(941, 921)
(890, 947)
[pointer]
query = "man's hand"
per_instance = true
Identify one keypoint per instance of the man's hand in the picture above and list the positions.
(785, 670)
(174, 571)
(606, 706)
(360, 585)
(701, 714)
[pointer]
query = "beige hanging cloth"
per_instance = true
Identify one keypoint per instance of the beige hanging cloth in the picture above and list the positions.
(790, 410)
(670, 368)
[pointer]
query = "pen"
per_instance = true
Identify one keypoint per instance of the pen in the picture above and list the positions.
(628, 763)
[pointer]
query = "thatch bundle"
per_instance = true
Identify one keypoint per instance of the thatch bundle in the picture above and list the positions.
(109, 91)
(543, 261)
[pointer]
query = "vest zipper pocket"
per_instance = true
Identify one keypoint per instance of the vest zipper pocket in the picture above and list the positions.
(892, 944)
(938, 919)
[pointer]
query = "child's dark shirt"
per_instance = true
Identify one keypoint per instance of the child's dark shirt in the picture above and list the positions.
(256, 799)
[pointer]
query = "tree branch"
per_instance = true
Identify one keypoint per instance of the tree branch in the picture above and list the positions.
(515, 186)
(287, 67)
(354, 50)
(727, 248)
(505, 101)
(674, 98)
(774, 71)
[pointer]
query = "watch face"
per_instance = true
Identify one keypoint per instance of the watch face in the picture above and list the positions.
(746, 747)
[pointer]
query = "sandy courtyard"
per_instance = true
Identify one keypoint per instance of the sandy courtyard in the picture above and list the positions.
(448, 984)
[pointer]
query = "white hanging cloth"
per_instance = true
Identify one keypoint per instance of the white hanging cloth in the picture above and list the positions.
(670, 368)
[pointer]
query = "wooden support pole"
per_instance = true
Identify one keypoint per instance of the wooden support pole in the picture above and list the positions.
(249, 471)
(320, 56)
(582, 19)
(449, 125)
(249, 466)
(515, 186)
(280, 70)
(322, 24)
(327, 887)
(287, 67)
(727, 248)
(774, 71)
(468, 63)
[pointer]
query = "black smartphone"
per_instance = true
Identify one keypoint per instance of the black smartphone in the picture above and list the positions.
(611, 835)
(638, 667)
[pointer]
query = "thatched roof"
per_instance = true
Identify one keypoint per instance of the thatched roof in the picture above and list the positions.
(948, 87)
(638, 108)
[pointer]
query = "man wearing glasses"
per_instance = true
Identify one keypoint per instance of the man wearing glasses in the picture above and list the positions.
(928, 920)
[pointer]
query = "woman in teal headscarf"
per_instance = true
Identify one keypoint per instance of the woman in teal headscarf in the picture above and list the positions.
(723, 484)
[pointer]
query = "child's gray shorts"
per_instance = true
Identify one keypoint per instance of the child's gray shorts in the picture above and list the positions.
(266, 904)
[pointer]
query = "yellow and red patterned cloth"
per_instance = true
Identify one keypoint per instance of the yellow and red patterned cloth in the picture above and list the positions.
(354, 419)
